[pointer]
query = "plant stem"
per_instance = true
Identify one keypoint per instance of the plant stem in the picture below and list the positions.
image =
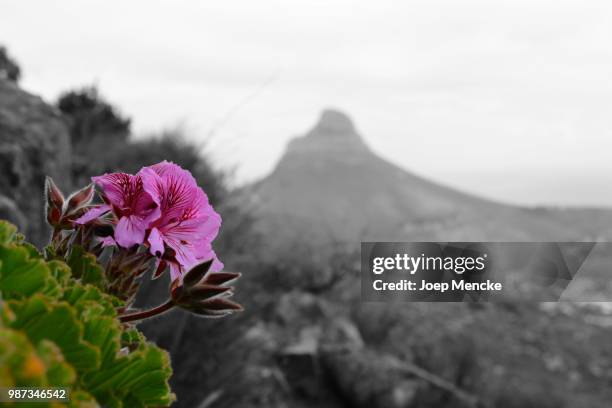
(144, 314)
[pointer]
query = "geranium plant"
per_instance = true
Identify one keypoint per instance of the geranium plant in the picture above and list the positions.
(66, 317)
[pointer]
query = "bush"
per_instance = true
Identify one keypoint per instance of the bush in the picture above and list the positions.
(9, 69)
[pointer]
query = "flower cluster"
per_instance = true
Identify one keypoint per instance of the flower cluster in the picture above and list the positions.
(163, 208)
(158, 216)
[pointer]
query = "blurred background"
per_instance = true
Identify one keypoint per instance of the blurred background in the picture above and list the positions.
(314, 126)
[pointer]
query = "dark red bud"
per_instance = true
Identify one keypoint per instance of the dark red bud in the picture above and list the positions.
(220, 278)
(203, 311)
(197, 273)
(221, 304)
(53, 194)
(54, 216)
(75, 213)
(203, 291)
(80, 198)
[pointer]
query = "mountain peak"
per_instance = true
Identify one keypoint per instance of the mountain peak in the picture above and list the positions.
(334, 128)
(333, 137)
(334, 123)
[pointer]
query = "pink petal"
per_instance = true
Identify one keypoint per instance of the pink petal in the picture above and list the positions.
(116, 187)
(148, 215)
(193, 230)
(129, 231)
(210, 227)
(93, 214)
(169, 170)
(185, 253)
(175, 271)
(152, 184)
(187, 240)
(179, 191)
(205, 252)
(108, 241)
(217, 265)
(156, 243)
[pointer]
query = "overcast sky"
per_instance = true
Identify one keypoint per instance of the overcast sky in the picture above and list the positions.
(511, 100)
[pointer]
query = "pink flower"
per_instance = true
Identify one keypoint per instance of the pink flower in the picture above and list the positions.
(133, 207)
(182, 235)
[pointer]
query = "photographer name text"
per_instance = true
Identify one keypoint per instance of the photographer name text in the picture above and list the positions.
(404, 263)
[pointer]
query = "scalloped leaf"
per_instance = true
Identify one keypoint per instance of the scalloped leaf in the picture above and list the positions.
(7, 232)
(21, 275)
(59, 372)
(19, 364)
(85, 267)
(40, 319)
(23, 365)
(116, 382)
(140, 378)
(60, 272)
(82, 293)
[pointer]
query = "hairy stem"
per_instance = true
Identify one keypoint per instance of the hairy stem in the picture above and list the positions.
(144, 314)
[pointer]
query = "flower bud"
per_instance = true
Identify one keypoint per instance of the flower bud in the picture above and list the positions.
(54, 202)
(80, 199)
(54, 216)
(217, 307)
(205, 293)
(197, 273)
(221, 278)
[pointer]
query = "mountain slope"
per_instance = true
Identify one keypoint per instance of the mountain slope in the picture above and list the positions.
(329, 187)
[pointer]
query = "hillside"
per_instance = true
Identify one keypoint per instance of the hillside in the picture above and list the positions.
(329, 187)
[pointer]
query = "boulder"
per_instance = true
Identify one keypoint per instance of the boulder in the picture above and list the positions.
(34, 143)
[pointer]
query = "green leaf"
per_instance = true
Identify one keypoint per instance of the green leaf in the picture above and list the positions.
(85, 267)
(142, 376)
(32, 250)
(7, 232)
(132, 338)
(21, 275)
(40, 319)
(60, 272)
(23, 365)
(117, 381)
(59, 372)
(19, 364)
(82, 399)
(82, 293)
